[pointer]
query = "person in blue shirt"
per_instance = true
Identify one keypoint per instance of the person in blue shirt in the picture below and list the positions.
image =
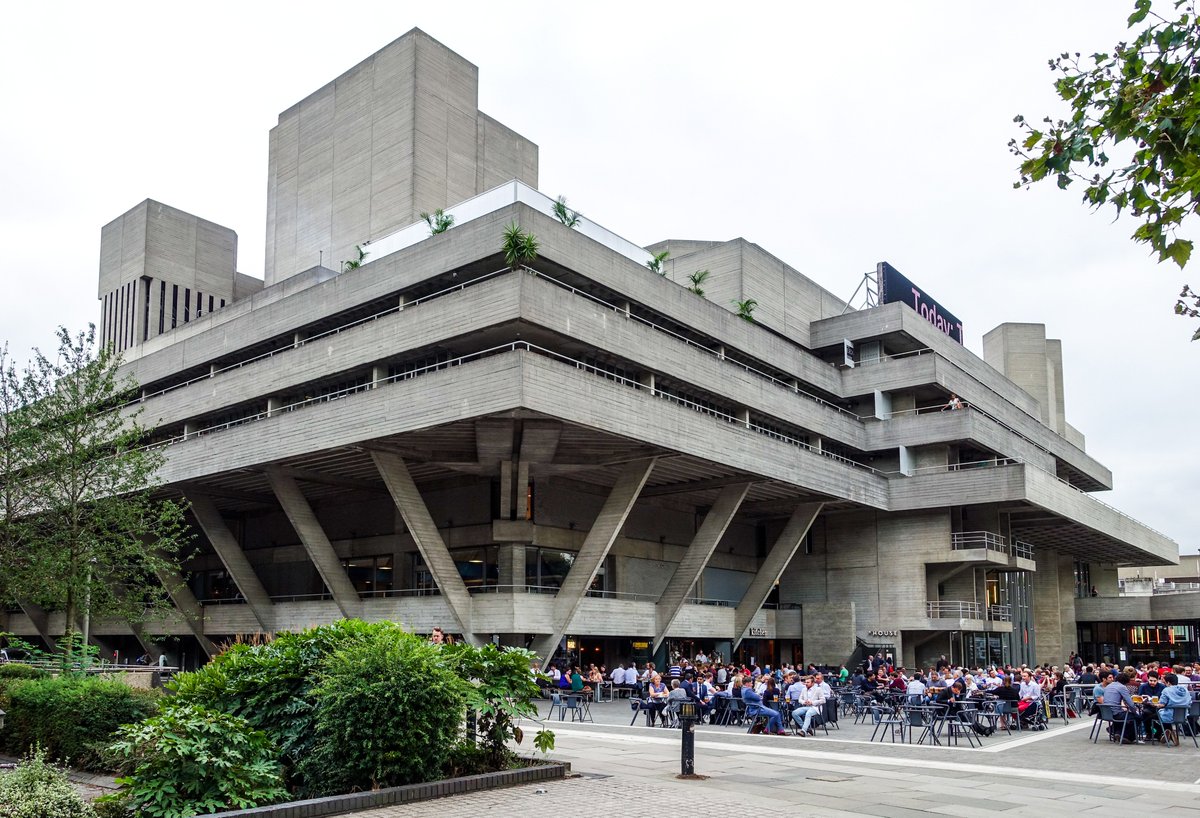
(1116, 696)
(1173, 695)
(755, 707)
(1152, 686)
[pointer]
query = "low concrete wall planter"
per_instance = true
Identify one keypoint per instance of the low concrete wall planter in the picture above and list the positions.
(341, 804)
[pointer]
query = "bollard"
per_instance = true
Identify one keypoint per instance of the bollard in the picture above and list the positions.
(689, 714)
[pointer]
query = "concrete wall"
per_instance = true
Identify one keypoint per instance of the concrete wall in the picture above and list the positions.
(397, 134)
(1024, 355)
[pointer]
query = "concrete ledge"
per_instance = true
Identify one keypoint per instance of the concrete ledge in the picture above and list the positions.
(341, 804)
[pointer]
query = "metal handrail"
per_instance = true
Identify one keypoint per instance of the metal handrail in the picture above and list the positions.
(953, 610)
(999, 613)
(967, 540)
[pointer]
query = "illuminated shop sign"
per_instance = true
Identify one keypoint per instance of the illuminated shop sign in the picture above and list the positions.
(894, 286)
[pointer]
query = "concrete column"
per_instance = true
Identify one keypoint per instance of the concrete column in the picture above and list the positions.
(646, 379)
(506, 490)
(273, 406)
(319, 548)
(233, 558)
(691, 567)
(378, 374)
(623, 306)
(189, 429)
(743, 416)
(297, 339)
(522, 490)
(402, 302)
(512, 565)
(212, 370)
(720, 350)
(772, 568)
(189, 608)
(595, 548)
(428, 539)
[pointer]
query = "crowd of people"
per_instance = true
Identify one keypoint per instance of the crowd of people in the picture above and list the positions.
(800, 694)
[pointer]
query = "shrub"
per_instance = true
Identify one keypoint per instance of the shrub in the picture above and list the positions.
(71, 717)
(16, 670)
(501, 692)
(387, 713)
(271, 685)
(189, 760)
(36, 789)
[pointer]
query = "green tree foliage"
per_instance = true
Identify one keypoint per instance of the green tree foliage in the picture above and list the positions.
(697, 280)
(387, 710)
(439, 221)
(656, 262)
(500, 693)
(1141, 102)
(82, 526)
(37, 789)
(189, 760)
(564, 214)
(71, 718)
(519, 247)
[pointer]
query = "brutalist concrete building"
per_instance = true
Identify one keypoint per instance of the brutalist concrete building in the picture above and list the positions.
(582, 455)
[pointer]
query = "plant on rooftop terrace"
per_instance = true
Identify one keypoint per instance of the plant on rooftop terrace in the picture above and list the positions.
(698, 278)
(656, 263)
(519, 247)
(568, 217)
(439, 221)
(355, 263)
(745, 309)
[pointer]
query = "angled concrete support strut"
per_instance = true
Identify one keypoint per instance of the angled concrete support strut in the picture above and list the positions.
(691, 567)
(427, 537)
(319, 548)
(595, 548)
(772, 568)
(40, 619)
(233, 558)
(189, 608)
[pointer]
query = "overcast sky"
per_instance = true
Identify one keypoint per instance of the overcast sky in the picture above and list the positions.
(834, 135)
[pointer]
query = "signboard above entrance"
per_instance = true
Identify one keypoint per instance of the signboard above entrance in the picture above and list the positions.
(894, 286)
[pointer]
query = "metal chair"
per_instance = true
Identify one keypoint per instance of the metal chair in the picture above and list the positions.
(886, 719)
(556, 703)
(1108, 715)
(961, 725)
(639, 706)
(1058, 707)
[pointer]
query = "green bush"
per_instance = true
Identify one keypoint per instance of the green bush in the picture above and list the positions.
(71, 717)
(387, 713)
(36, 789)
(16, 670)
(271, 685)
(189, 760)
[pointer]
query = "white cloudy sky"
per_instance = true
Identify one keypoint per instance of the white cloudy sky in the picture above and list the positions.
(835, 135)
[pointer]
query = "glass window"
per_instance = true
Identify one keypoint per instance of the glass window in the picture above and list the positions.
(547, 567)
(370, 575)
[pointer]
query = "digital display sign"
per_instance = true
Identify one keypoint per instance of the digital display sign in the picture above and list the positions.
(894, 286)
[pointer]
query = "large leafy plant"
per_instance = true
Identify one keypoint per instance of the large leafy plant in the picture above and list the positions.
(519, 247)
(191, 760)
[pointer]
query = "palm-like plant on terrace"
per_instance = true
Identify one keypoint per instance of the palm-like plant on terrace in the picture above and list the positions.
(745, 309)
(519, 247)
(439, 221)
(656, 263)
(698, 278)
(564, 214)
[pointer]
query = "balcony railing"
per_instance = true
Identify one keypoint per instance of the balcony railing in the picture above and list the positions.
(968, 540)
(967, 610)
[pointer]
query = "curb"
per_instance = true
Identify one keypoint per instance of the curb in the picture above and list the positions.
(408, 794)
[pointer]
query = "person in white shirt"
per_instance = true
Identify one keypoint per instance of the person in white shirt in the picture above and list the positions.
(617, 676)
(631, 677)
(795, 689)
(812, 703)
(822, 685)
(915, 688)
(555, 674)
(722, 676)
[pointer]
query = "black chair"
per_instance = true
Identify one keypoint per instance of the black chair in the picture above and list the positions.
(885, 719)
(1107, 714)
(640, 706)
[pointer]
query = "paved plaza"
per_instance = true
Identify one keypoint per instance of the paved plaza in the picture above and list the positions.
(844, 774)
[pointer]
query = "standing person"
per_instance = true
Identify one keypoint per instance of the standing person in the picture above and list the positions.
(843, 675)
(437, 637)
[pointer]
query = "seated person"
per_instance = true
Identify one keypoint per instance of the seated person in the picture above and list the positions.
(656, 695)
(915, 690)
(811, 703)
(1116, 695)
(1152, 686)
(755, 707)
(1173, 695)
(674, 699)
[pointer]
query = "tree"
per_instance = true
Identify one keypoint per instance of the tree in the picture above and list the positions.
(568, 217)
(1142, 102)
(89, 536)
(519, 247)
(439, 221)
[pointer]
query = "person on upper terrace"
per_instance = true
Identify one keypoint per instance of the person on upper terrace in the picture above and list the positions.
(953, 403)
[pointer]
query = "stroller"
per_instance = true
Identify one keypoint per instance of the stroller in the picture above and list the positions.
(1035, 717)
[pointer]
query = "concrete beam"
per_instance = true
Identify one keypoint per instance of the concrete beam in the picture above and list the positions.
(189, 608)
(772, 568)
(233, 558)
(332, 480)
(319, 548)
(40, 619)
(428, 539)
(691, 567)
(595, 548)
